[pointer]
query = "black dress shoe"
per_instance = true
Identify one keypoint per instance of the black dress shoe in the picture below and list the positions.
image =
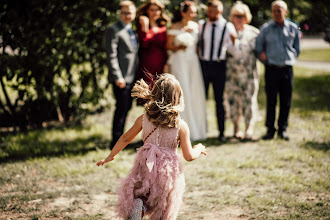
(268, 136)
(221, 137)
(283, 135)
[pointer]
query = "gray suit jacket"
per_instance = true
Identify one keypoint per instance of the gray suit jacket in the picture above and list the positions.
(121, 55)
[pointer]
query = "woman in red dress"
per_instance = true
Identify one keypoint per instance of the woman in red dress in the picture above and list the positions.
(151, 31)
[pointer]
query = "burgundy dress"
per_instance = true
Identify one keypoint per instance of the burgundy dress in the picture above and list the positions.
(152, 53)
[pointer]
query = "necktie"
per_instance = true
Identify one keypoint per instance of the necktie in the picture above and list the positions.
(132, 37)
(212, 41)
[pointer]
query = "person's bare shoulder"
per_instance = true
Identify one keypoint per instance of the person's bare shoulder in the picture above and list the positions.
(140, 119)
(176, 26)
(184, 128)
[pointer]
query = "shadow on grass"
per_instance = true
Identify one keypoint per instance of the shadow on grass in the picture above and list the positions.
(321, 146)
(27, 148)
(34, 148)
(214, 141)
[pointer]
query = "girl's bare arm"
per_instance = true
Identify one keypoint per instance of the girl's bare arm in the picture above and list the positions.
(189, 153)
(124, 140)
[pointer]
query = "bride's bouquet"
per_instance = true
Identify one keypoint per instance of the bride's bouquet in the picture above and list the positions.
(184, 39)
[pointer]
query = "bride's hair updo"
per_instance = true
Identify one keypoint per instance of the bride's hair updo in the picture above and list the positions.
(164, 100)
(184, 6)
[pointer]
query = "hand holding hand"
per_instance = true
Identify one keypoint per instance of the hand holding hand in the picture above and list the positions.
(233, 37)
(263, 56)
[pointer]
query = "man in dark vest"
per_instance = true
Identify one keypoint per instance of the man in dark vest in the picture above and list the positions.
(214, 39)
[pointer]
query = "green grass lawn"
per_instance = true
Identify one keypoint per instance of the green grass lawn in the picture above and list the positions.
(315, 54)
(52, 173)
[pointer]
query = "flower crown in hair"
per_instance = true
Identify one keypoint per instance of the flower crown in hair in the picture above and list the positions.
(182, 4)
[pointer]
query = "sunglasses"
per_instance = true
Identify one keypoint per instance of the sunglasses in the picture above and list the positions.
(239, 16)
(125, 13)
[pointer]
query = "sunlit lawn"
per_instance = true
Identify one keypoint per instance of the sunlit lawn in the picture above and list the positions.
(52, 173)
(315, 54)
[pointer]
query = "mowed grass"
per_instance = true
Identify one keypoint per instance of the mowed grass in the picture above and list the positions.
(322, 54)
(52, 173)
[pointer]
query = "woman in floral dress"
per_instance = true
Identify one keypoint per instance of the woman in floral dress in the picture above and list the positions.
(242, 81)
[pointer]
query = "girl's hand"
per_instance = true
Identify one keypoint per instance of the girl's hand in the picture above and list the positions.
(101, 162)
(201, 148)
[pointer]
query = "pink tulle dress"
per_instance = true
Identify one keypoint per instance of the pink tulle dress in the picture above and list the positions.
(156, 177)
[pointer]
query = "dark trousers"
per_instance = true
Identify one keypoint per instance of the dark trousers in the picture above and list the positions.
(215, 72)
(123, 105)
(279, 80)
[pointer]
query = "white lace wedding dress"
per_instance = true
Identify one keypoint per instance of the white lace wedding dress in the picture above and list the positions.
(185, 66)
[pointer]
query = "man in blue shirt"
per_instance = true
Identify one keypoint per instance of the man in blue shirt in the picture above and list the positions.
(278, 46)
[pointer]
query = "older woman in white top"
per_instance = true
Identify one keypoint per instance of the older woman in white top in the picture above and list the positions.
(242, 81)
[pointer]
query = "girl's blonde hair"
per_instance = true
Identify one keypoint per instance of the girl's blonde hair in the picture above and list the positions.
(241, 8)
(164, 100)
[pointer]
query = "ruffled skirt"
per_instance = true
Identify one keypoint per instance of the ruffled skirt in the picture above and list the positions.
(160, 186)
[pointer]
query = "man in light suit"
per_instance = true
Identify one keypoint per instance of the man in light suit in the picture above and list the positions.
(121, 49)
(214, 39)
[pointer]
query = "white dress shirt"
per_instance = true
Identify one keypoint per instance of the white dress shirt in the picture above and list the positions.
(220, 23)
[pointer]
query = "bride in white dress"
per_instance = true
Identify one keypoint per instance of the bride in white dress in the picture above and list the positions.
(183, 62)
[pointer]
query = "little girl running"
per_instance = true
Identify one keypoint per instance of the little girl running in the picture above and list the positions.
(156, 183)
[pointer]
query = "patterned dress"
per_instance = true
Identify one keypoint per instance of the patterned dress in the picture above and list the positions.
(156, 177)
(242, 80)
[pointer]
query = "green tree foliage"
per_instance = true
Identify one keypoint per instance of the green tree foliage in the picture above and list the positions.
(52, 58)
(312, 12)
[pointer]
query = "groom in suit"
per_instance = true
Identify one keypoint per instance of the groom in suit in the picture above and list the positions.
(214, 38)
(121, 49)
